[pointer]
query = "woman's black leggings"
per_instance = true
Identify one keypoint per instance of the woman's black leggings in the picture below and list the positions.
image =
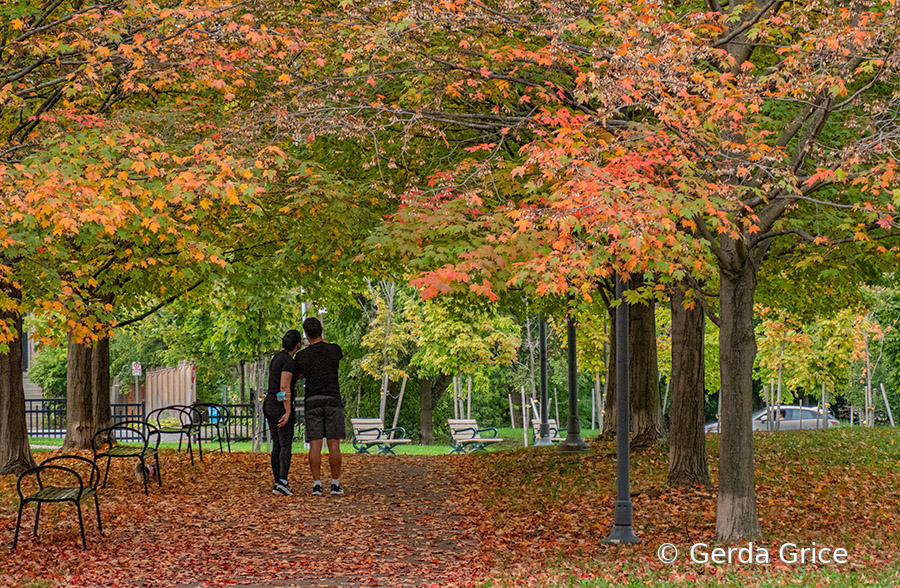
(281, 438)
(281, 447)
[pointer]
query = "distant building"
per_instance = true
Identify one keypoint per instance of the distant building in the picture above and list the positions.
(32, 390)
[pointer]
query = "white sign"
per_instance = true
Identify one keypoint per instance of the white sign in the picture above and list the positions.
(136, 369)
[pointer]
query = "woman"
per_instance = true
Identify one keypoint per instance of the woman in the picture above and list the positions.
(278, 408)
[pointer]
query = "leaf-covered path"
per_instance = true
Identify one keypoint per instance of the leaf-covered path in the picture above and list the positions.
(217, 523)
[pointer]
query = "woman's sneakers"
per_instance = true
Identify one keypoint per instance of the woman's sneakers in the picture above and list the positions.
(281, 487)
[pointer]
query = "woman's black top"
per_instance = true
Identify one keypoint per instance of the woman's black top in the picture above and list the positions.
(283, 362)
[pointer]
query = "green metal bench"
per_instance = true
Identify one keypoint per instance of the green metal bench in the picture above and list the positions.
(465, 436)
(177, 419)
(371, 432)
(51, 493)
(209, 416)
(105, 444)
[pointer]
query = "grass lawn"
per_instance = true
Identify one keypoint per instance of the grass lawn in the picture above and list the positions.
(512, 439)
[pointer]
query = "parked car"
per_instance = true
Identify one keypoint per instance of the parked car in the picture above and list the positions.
(790, 417)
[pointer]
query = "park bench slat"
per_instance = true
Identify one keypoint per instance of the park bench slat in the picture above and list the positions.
(60, 493)
(129, 451)
(378, 441)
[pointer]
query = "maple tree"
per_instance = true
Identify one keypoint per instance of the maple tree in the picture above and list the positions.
(432, 341)
(167, 178)
(682, 140)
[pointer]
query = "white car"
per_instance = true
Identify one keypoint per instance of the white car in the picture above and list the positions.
(790, 417)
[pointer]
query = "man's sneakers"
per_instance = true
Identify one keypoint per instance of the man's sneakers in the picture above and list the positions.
(336, 489)
(282, 488)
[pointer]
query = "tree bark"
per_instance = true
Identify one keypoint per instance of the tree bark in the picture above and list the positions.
(15, 451)
(100, 385)
(646, 407)
(736, 516)
(79, 396)
(647, 423)
(426, 411)
(687, 442)
(430, 391)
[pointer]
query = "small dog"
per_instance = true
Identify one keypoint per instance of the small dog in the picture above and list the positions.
(139, 472)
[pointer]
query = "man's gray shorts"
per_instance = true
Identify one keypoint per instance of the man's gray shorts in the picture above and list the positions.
(325, 422)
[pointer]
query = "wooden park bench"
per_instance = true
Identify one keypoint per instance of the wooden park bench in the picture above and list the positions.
(465, 436)
(555, 432)
(105, 444)
(368, 433)
(72, 489)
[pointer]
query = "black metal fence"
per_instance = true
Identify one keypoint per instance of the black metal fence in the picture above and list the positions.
(240, 421)
(47, 418)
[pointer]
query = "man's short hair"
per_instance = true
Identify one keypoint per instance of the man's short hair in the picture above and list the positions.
(291, 339)
(312, 327)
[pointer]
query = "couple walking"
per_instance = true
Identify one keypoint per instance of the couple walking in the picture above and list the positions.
(317, 364)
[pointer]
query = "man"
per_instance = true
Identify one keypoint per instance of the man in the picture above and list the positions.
(318, 363)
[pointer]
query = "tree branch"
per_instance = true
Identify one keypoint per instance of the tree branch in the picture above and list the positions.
(144, 315)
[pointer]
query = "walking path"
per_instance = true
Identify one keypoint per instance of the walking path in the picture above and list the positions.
(217, 523)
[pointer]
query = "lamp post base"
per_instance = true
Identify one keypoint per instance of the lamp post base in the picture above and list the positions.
(542, 442)
(573, 444)
(622, 535)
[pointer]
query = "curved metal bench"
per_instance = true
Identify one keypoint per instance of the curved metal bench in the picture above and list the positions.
(212, 416)
(49, 493)
(178, 419)
(109, 447)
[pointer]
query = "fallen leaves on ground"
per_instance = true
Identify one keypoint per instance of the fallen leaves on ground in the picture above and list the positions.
(217, 523)
(542, 515)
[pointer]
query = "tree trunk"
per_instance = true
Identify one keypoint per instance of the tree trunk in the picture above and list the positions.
(15, 452)
(430, 391)
(646, 407)
(687, 442)
(80, 396)
(736, 516)
(426, 412)
(100, 385)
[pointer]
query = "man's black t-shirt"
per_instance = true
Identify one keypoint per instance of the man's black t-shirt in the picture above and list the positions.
(318, 363)
(283, 362)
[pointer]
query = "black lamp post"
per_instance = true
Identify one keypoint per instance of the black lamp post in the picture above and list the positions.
(544, 437)
(622, 531)
(573, 442)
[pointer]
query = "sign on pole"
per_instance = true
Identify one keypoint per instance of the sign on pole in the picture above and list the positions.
(136, 369)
